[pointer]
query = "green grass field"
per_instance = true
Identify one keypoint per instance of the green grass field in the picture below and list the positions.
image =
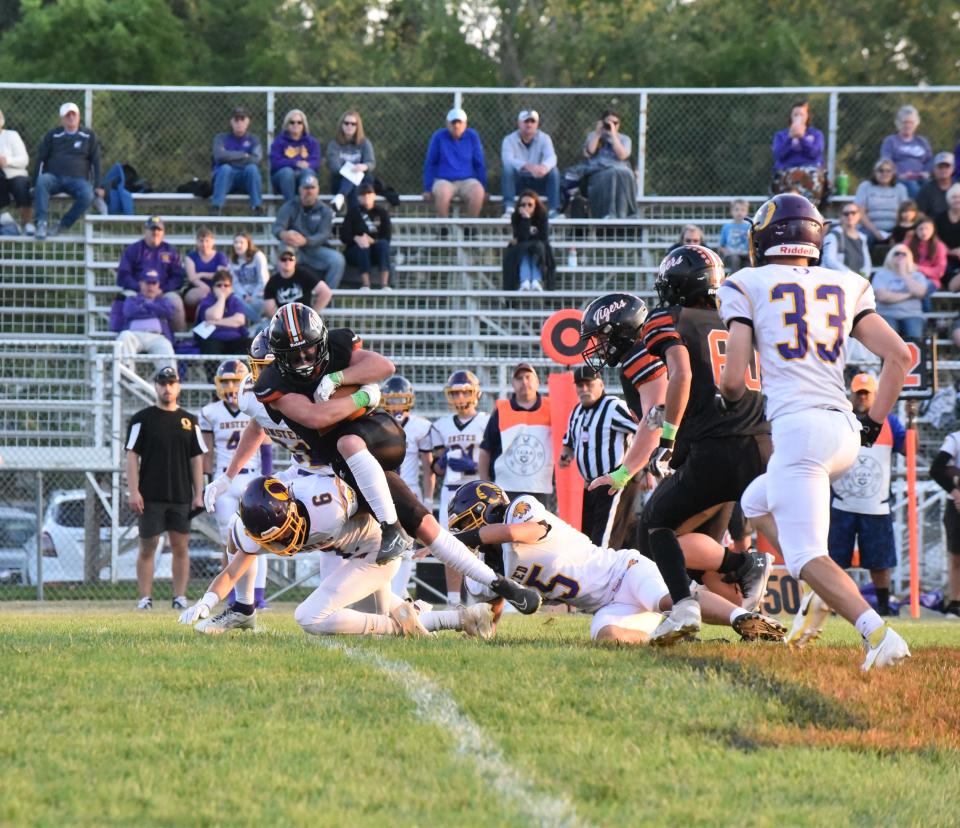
(108, 717)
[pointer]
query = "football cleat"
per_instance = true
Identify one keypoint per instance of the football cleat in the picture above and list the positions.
(480, 620)
(393, 543)
(179, 603)
(888, 651)
(523, 599)
(809, 620)
(753, 581)
(753, 626)
(408, 620)
(681, 624)
(145, 603)
(227, 620)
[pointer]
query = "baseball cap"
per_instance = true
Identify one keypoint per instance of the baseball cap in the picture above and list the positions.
(366, 187)
(523, 368)
(287, 251)
(527, 114)
(153, 222)
(150, 276)
(456, 114)
(584, 373)
(863, 382)
(166, 375)
(239, 112)
(69, 107)
(309, 180)
(943, 158)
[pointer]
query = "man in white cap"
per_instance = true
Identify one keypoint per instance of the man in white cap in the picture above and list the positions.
(529, 162)
(454, 167)
(68, 161)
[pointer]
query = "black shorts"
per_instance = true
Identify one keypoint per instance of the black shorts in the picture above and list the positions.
(381, 432)
(951, 523)
(159, 517)
(715, 472)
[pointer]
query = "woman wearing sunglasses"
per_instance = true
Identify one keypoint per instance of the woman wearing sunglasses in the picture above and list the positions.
(293, 153)
(900, 289)
(878, 200)
(352, 148)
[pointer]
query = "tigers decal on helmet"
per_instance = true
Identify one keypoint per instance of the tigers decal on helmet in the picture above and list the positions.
(611, 326)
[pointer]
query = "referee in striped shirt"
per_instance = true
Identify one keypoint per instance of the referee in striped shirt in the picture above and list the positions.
(598, 434)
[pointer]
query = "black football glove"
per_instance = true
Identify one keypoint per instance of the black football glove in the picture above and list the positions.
(659, 463)
(524, 599)
(869, 430)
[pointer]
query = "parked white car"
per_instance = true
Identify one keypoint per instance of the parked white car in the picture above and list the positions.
(62, 546)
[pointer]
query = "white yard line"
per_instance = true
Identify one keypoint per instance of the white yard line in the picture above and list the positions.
(436, 706)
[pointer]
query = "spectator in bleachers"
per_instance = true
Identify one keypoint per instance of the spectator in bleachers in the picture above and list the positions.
(910, 153)
(290, 283)
(906, 220)
(350, 148)
(798, 156)
(14, 178)
(734, 246)
(845, 247)
(68, 161)
(691, 234)
(224, 310)
(948, 231)
(237, 156)
(517, 450)
(932, 198)
(293, 154)
(147, 315)
(153, 253)
(607, 174)
(454, 167)
(528, 261)
(929, 253)
(365, 233)
(305, 223)
(878, 200)
(529, 162)
(199, 266)
(250, 270)
(900, 289)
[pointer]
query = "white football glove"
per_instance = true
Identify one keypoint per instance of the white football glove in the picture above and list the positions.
(373, 391)
(215, 488)
(195, 613)
(329, 384)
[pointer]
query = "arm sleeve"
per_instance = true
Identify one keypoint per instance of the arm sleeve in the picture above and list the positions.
(430, 162)
(660, 333)
(938, 471)
(266, 458)
(899, 433)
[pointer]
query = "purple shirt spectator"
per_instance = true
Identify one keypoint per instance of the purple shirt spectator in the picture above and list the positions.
(289, 152)
(206, 269)
(454, 160)
(231, 306)
(140, 257)
(149, 315)
(798, 152)
(913, 158)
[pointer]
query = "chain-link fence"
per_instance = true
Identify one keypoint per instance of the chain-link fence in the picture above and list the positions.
(685, 142)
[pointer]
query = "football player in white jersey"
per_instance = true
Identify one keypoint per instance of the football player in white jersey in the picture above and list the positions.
(321, 512)
(799, 316)
(456, 448)
(624, 589)
(397, 398)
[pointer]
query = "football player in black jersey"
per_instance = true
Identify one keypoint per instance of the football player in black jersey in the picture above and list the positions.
(706, 456)
(309, 364)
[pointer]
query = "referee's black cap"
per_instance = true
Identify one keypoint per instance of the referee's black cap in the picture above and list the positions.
(166, 375)
(584, 373)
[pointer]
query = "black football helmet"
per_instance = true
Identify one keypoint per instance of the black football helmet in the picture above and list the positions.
(687, 274)
(476, 504)
(270, 516)
(611, 326)
(299, 342)
(396, 396)
(230, 374)
(260, 355)
(786, 225)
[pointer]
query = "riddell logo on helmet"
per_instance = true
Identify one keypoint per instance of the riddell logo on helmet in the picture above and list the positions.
(602, 316)
(792, 250)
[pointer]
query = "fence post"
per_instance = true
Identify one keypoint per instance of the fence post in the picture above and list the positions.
(832, 137)
(271, 118)
(39, 506)
(642, 145)
(88, 114)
